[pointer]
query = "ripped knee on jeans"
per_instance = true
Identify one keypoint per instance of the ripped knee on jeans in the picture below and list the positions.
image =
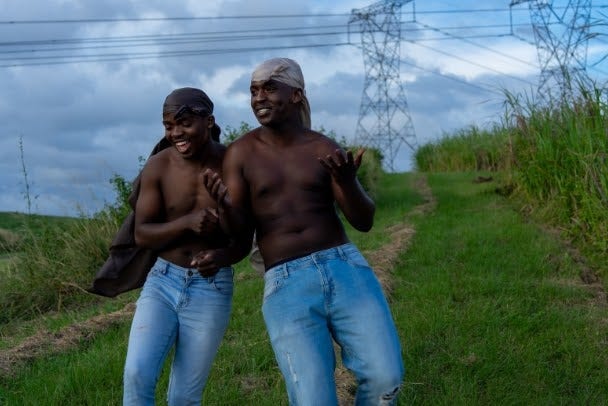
(294, 376)
(389, 397)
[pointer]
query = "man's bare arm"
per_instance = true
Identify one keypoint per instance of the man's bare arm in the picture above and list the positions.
(151, 228)
(357, 206)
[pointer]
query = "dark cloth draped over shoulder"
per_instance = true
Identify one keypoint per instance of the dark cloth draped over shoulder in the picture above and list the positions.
(127, 265)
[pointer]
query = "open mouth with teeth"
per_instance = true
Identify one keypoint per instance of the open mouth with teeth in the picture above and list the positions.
(182, 146)
(263, 111)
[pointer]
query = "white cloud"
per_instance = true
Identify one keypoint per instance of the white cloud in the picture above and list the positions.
(218, 85)
(83, 122)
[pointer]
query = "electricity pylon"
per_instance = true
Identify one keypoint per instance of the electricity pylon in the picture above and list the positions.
(384, 118)
(561, 35)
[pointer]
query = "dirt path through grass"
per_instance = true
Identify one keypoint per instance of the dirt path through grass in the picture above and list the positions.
(45, 343)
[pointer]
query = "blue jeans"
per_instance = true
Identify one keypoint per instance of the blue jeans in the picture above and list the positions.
(332, 294)
(177, 308)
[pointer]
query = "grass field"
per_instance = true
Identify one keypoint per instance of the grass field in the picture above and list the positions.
(489, 304)
(4, 260)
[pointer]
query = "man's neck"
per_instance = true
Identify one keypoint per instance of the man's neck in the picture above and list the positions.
(291, 125)
(284, 134)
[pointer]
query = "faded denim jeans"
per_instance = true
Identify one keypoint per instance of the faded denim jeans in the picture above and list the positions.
(177, 308)
(332, 294)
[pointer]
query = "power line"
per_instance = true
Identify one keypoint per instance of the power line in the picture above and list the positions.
(168, 41)
(468, 61)
(151, 55)
(112, 57)
(156, 19)
(194, 39)
(455, 79)
(480, 45)
(244, 17)
(462, 38)
(124, 42)
(228, 35)
(151, 37)
(144, 37)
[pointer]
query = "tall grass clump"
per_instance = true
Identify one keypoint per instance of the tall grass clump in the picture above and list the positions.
(469, 149)
(561, 163)
(555, 157)
(56, 261)
(9, 241)
(370, 170)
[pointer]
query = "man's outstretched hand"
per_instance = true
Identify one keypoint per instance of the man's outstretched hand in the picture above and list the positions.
(342, 167)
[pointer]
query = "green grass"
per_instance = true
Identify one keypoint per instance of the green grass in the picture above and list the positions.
(18, 221)
(553, 159)
(491, 310)
(489, 307)
(54, 264)
(4, 261)
(245, 371)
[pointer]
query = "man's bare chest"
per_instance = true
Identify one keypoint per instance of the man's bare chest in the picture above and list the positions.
(285, 172)
(183, 191)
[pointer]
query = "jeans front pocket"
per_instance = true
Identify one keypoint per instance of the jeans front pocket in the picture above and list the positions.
(155, 274)
(357, 260)
(223, 281)
(274, 279)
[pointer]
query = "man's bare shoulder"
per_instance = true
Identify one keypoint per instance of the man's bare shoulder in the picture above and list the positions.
(320, 137)
(244, 143)
(157, 162)
(322, 142)
(249, 137)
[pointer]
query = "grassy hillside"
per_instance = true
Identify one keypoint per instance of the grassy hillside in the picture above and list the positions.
(552, 159)
(493, 308)
(490, 307)
(15, 229)
(15, 221)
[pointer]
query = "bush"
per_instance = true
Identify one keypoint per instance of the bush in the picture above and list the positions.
(370, 170)
(469, 149)
(58, 258)
(9, 241)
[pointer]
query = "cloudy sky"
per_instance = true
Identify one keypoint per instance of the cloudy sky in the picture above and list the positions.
(82, 81)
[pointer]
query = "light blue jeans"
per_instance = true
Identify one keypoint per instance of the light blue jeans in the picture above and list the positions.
(332, 294)
(177, 308)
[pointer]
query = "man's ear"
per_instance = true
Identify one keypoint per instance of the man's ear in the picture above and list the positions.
(210, 121)
(297, 96)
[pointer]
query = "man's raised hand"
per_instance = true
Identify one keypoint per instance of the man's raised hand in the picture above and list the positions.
(342, 167)
(215, 186)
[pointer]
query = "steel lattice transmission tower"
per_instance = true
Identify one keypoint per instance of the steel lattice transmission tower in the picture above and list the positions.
(561, 35)
(384, 119)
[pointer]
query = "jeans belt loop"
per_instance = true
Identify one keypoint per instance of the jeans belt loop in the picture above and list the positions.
(341, 252)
